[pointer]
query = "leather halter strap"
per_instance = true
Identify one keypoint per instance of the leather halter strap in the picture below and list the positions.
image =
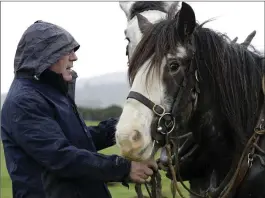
(157, 109)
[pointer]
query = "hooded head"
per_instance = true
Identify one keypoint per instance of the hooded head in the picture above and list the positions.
(45, 45)
(42, 46)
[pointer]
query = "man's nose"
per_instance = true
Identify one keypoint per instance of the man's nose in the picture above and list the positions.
(73, 57)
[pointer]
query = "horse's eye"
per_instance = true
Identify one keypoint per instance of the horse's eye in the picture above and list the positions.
(173, 66)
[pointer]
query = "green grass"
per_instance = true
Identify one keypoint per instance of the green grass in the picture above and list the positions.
(6, 191)
(117, 190)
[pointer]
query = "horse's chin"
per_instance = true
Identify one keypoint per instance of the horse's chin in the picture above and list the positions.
(143, 154)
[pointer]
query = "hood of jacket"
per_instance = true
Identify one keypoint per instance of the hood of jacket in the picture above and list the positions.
(42, 45)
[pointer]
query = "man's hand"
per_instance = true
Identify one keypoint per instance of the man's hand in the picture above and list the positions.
(140, 171)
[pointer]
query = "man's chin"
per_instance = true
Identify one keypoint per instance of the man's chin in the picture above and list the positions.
(68, 78)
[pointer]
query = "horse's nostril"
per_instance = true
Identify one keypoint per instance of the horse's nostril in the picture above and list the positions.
(136, 135)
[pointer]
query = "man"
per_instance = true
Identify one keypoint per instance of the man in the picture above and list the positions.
(49, 150)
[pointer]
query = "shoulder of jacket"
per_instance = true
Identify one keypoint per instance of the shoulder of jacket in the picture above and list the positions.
(28, 96)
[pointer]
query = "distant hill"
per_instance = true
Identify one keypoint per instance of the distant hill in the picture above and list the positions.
(102, 91)
(99, 91)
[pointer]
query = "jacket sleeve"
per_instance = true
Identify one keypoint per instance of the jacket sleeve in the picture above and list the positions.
(104, 133)
(39, 135)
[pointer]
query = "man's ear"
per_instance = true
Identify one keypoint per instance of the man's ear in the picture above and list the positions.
(126, 7)
(185, 21)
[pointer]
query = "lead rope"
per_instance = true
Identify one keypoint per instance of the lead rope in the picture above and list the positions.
(138, 190)
(174, 183)
(156, 185)
(155, 182)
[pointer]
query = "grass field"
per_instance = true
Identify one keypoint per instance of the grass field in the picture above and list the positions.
(117, 190)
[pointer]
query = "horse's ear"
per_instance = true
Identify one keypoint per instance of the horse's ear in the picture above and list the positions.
(234, 40)
(248, 40)
(143, 23)
(186, 21)
(126, 7)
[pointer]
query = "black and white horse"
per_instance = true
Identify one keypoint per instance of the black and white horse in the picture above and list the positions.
(223, 114)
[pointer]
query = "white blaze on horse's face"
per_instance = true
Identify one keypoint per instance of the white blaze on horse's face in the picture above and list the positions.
(133, 133)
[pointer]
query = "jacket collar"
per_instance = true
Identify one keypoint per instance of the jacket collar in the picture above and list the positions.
(55, 80)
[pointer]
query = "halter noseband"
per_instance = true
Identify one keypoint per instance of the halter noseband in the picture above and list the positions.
(160, 112)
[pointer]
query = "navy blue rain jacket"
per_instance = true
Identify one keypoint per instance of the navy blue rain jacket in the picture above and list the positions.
(49, 150)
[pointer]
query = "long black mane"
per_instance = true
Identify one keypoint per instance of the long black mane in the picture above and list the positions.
(235, 73)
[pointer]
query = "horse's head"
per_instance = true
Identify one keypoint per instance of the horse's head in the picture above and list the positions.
(151, 10)
(163, 83)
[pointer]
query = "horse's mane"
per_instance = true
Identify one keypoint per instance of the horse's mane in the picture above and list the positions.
(141, 6)
(235, 72)
(235, 76)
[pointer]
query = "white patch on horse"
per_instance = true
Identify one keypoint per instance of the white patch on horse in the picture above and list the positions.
(181, 52)
(136, 117)
(169, 56)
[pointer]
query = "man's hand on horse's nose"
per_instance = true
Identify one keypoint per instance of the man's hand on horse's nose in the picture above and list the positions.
(140, 171)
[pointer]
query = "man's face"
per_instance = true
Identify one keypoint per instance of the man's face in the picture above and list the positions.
(64, 65)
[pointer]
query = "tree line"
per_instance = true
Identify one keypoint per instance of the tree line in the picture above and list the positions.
(98, 114)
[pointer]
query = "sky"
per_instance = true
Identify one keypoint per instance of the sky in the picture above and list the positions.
(99, 29)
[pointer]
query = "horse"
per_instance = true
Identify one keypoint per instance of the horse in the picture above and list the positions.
(139, 144)
(155, 11)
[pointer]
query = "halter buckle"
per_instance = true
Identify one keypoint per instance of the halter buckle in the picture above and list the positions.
(250, 160)
(161, 108)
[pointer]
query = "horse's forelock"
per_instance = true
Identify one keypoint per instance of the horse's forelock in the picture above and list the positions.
(156, 42)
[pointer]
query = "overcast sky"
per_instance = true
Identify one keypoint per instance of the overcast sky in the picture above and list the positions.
(99, 28)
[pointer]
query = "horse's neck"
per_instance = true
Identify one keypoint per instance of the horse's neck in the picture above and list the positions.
(215, 142)
(213, 133)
